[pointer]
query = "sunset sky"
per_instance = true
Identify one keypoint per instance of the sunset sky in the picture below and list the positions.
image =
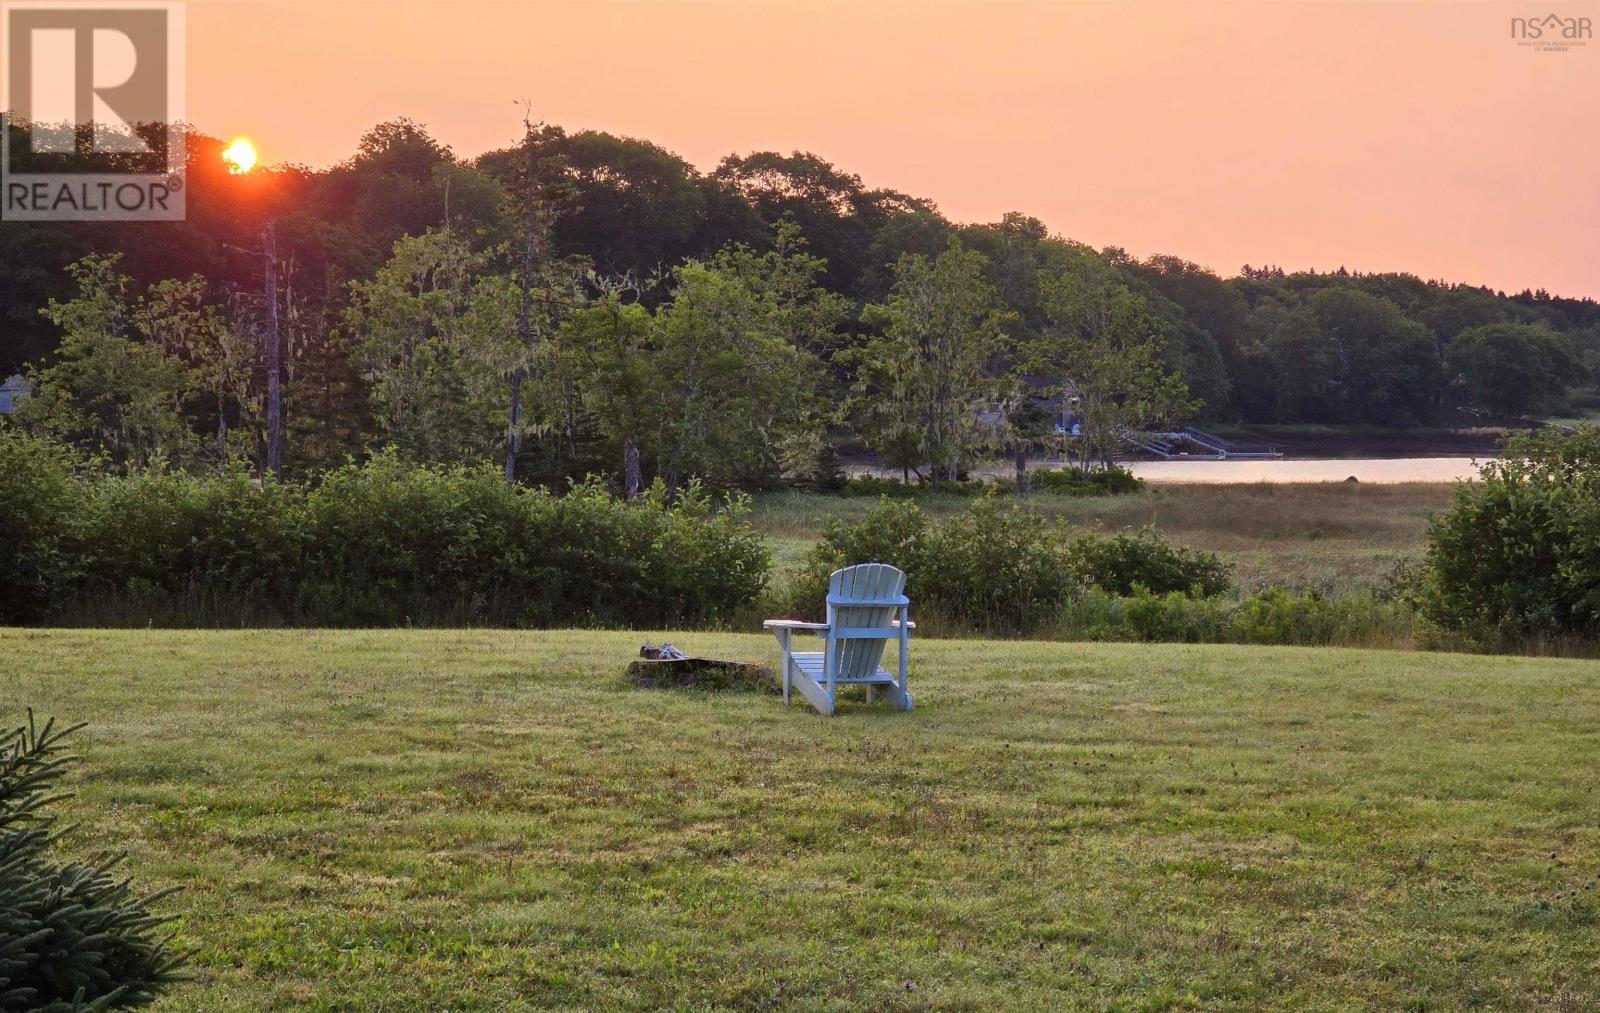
(1378, 136)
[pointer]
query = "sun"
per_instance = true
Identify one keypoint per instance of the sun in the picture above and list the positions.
(240, 156)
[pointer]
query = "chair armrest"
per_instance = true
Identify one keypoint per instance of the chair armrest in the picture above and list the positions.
(791, 624)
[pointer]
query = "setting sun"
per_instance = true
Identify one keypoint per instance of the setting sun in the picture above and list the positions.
(240, 156)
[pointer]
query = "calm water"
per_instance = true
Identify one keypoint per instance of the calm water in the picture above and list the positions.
(1380, 470)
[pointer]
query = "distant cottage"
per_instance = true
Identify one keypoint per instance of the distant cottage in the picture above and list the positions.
(13, 391)
(1057, 395)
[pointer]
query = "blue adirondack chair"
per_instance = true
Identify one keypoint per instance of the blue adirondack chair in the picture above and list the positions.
(867, 608)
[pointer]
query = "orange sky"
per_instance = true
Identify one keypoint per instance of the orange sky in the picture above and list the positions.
(1378, 136)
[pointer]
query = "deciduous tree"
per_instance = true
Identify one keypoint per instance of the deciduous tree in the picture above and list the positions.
(1104, 342)
(923, 380)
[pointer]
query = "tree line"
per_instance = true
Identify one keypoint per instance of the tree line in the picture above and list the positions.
(584, 303)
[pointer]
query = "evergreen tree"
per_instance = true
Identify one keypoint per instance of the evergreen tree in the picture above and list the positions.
(72, 936)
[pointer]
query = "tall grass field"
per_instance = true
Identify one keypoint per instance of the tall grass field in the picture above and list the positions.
(473, 820)
(1334, 537)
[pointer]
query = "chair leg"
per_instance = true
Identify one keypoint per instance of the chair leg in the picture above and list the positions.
(785, 641)
(898, 697)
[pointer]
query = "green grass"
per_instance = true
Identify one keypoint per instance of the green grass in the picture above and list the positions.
(1333, 537)
(410, 820)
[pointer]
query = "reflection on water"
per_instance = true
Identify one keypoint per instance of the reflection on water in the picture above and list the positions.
(1400, 469)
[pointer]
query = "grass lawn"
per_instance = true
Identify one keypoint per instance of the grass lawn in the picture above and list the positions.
(1330, 536)
(411, 820)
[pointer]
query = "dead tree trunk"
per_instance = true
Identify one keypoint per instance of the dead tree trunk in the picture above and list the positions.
(514, 429)
(632, 484)
(274, 358)
(531, 226)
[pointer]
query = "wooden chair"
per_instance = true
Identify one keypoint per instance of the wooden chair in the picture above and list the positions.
(866, 609)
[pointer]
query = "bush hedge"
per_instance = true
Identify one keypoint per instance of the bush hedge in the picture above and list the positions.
(1273, 616)
(42, 505)
(375, 544)
(997, 569)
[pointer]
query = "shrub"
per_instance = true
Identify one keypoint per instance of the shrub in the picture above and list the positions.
(706, 563)
(1175, 617)
(391, 542)
(1518, 554)
(863, 486)
(1002, 570)
(395, 543)
(1113, 481)
(43, 504)
(810, 461)
(893, 532)
(1273, 616)
(165, 533)
(380, 543)
(993, 569)
(72, 936)
(1124, 562)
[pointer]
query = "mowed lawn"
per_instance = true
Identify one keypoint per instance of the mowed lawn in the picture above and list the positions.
(412, 820)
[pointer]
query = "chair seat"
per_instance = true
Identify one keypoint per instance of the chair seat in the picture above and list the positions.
(812, 664)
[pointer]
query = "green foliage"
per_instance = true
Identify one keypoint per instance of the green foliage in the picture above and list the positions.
(1006, 570)
(608, 343)
(73, 937)
(1105, 342)
(43, 508)
(166, 534)
(381, 543)
(993, 568)
(1385, 366)
(391, 543)
(893, 532)
(1270, 346)
(1338, 354)
(1112, 481)
(1510, 369)
(923, 380)
(1123, 563)
(989, 568)
(996, 569)
(108, 391)
(875, 486)
(1272, 616)
(734, 353)
(433, 331)
(811, 463)
(1518, 555)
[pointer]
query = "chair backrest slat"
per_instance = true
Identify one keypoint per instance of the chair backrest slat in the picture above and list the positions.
(867, 596)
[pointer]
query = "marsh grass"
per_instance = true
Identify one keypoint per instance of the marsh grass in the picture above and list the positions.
(405, 820)
(1332, 537)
